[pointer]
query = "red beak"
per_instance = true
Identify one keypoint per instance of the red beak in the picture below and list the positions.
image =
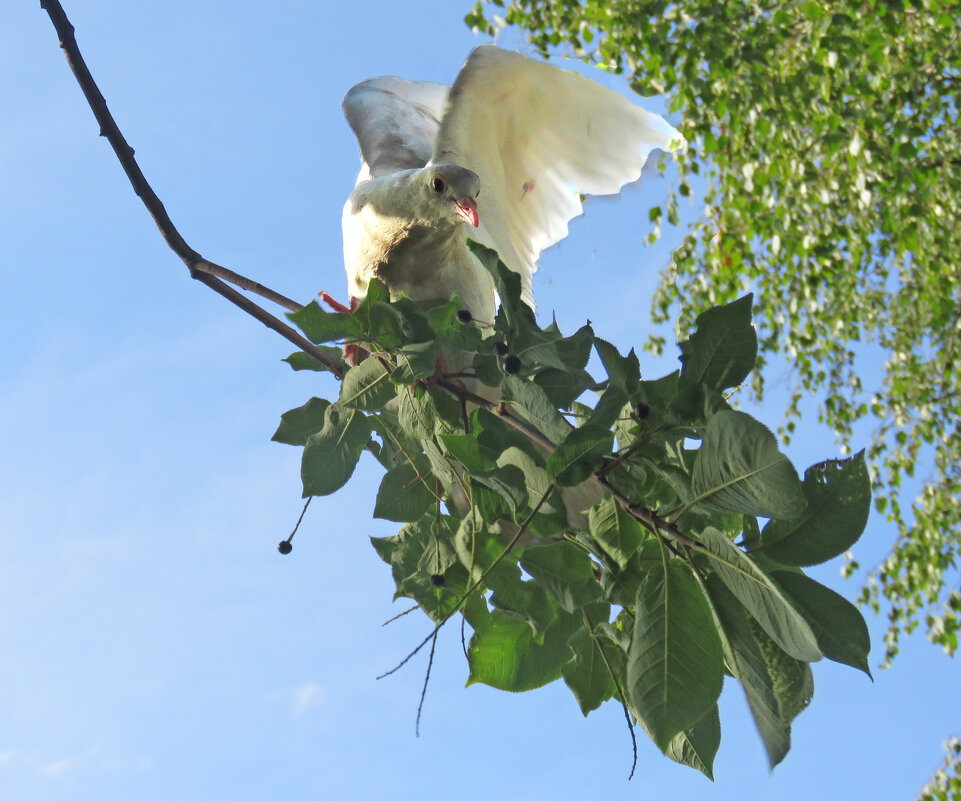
(467, 208)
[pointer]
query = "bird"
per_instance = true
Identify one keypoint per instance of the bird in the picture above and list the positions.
(502, 157)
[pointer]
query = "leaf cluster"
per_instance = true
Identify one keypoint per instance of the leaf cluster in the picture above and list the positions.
(641, 553)
(825, 139)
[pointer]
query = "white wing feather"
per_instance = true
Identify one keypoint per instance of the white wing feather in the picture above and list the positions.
(537, 136)
(396, 123)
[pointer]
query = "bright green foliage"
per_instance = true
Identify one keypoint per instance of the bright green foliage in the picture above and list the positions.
(824, 139)
(666, 585)
(945, 784)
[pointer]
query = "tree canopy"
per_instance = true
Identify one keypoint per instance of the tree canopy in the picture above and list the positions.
(825, 139)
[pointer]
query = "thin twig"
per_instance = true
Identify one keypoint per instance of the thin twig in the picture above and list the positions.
(200, 268)
(470, 590)
(423, 691)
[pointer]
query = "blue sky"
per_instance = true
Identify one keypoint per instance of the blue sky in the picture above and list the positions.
(155, 644)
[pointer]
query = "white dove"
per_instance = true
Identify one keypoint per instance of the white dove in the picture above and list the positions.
(501, 157)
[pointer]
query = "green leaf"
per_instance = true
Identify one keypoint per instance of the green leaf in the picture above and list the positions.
(617, 533)
(674, 664)
(321, 326)
(532, 404)
(331, 454)
(777, 687)
(842, 635)
(739, 469)
(367, 386)
(838, 497)
(298, 424)
(697, 746)
(403, 495)
(624, 371)
(563, 387)
(722, 351)
(300, 360)
(587, 674)
(415, 361)
(580, 455)
(760, 596)
(565, 571)
(505, 655)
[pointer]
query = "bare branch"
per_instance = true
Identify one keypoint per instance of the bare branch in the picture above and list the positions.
(204, 271)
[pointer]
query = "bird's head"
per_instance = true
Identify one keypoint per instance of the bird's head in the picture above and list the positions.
(453, 191)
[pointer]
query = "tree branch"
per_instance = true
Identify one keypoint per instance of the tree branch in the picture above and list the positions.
(204, 271)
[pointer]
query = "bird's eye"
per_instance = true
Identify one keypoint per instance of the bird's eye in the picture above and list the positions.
(437, 184)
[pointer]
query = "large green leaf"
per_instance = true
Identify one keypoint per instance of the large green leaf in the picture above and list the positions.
(740, 469)
(838, 497)
(760, 596)
(722, 351)
(674, 664)
(505, 654)
(321, 326)
(331, 454)
(777, 687)
(840, 629)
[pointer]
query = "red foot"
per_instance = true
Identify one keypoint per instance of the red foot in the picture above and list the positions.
(336, 305)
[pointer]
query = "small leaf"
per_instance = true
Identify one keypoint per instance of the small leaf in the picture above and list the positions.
(565, 571)
(674, 664)
(739, 469)
(298, 424)
(624, 371)
(580, 454)
(403, 495)
(415, 361)
(300, 360)
(618, 534)
(367, 386)
(532, 404)
(331, 454)
(321, 326)
(587, 674)
(697, 746)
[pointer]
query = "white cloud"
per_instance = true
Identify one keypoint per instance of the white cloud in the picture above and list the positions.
(58, 767)
(306, 697)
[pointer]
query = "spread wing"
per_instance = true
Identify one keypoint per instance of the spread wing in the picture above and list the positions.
(396, 123)
(538, 136)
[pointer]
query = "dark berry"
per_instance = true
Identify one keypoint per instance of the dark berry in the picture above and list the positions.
(642, 411)
(285, 547)
(500, 348)
(511, 364)
(464, 315)
(437, 580)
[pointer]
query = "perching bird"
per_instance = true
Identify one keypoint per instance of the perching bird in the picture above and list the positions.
(501, 158)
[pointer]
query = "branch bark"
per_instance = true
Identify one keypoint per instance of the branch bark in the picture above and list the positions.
(207, 272)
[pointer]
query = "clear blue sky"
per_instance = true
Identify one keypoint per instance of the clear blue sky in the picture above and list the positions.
(155, 645)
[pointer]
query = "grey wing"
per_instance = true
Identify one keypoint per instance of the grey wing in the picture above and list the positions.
(538, 136)
(395, 121)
